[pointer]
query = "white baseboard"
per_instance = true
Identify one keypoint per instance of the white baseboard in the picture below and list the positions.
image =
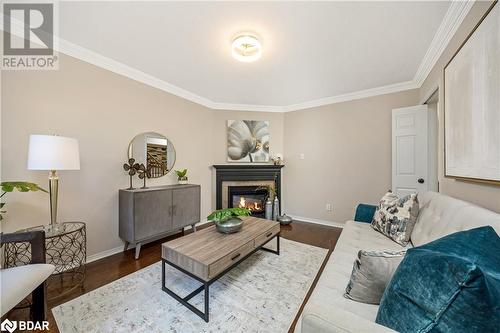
(119, 249)
(110, 252)
(104, 254)
(317, 221)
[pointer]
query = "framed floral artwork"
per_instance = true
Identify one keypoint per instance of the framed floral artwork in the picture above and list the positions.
(248, 141)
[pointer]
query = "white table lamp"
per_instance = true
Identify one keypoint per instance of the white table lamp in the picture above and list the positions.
(52, 153)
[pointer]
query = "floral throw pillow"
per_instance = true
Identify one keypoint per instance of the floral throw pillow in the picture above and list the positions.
(395, 217)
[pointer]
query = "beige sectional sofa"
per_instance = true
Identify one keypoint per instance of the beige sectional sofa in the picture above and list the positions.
(328, 311)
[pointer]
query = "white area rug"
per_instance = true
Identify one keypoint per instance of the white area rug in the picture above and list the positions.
(261, 294)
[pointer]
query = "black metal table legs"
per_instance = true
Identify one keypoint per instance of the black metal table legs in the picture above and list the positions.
(277, 251)
(206, 284)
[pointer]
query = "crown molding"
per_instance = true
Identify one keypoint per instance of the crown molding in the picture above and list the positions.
(447, 29)
(452, 20)
(112, 65)
(392, 88)
(248, 107)
(117, 67)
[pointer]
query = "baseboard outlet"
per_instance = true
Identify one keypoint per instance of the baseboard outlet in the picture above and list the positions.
(110, 252)
(317, 221)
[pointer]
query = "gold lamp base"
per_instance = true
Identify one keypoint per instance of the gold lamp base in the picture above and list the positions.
(53, 191)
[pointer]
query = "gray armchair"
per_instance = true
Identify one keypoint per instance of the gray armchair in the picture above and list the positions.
(18, 282)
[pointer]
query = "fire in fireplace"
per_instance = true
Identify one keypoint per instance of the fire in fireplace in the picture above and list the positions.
(248, 197)
(255, 205)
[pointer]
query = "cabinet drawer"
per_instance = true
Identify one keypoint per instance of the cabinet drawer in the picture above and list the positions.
(267, 235)
(226, 261)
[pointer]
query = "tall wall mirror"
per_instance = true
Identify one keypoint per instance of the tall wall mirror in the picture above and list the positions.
(153, 150)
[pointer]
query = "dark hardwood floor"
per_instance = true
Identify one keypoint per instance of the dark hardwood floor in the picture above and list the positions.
(106, 270)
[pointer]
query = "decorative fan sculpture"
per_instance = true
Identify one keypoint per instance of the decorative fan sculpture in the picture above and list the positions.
(143, 173)
(131, 168)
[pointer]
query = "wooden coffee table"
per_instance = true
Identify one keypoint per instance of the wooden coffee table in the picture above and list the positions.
(206, 255)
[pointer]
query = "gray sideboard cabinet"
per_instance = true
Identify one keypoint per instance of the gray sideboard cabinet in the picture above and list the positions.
(146, 214)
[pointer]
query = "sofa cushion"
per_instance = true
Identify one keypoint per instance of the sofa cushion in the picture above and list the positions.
(330, 289)
(18, 282)
(449, 285)
(441, 215)
(395, 217)
(371, 273)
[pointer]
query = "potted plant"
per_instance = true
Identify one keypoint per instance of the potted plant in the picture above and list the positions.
(227, 220)
(21, 187)
(181, 176)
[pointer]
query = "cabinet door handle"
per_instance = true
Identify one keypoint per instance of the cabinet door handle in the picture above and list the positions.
(269, 234)
(235, 256)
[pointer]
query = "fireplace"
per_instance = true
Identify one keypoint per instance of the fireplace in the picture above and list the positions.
(235, 182)
(250, 197)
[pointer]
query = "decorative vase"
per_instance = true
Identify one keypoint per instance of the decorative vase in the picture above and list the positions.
(229, 225)
(183, 181)
(269, 209)
(285, 219)
(276, 208)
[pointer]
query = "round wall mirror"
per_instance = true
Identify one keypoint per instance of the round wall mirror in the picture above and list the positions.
(155, 151)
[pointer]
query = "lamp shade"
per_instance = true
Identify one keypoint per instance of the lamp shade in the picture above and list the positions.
(50, 152)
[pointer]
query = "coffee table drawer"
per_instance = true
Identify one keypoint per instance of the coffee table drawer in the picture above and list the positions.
(267, 235)
(228, 260)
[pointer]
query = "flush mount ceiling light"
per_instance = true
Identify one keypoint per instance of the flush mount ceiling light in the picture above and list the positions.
(246, 48)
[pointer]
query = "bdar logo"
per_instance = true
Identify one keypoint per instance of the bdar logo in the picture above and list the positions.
(8, 325)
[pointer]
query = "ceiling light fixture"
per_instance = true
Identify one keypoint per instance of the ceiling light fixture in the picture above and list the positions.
(246, 48)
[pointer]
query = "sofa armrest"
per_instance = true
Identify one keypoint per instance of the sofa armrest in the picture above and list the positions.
(316, 319)
(36, 240)
(364, 213)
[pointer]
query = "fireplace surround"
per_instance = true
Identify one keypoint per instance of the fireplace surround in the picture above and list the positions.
(236, 181)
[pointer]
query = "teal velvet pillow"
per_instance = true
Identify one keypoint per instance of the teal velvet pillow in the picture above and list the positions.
(449, 285)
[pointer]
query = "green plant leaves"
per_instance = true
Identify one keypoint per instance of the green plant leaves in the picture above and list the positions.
(270, 189)
(21, 187)
(221, 214)
(181, 174)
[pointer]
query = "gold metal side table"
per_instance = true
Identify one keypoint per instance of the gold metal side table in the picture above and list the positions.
(66, 249)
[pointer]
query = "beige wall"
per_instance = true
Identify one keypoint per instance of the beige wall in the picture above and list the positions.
(104, 111)
(347, 148)
(482, 194)
(347, 155)
(346, 145)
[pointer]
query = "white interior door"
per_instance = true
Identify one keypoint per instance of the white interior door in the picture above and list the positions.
(409, 150)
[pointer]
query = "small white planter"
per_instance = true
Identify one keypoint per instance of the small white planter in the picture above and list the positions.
(183, 182)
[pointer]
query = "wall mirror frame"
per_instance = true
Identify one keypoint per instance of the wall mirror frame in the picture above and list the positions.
(155, 151)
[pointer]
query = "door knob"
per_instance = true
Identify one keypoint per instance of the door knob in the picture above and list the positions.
(421, 181)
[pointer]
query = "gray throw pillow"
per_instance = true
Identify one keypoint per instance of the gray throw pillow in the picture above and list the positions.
(371, 274)
(396, 217)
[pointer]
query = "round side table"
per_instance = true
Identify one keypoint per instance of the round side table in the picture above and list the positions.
(66, 249)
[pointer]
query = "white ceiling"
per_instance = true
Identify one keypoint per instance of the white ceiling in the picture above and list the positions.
(311, 50)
